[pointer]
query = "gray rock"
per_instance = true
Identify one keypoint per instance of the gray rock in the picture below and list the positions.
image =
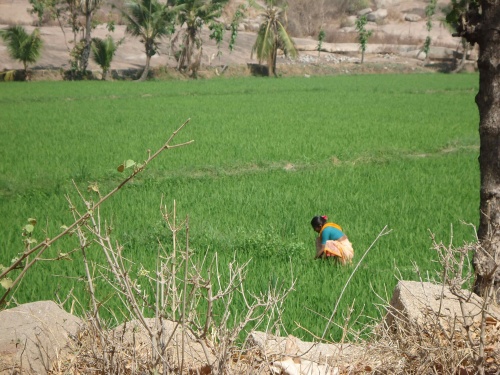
(364, 12)
(33, 336)
(348, 29)
(435, 53)
(351, 21)
(275, 346)
(410, 17)
(377, 15)
(417, 302)
(386, 3)
(252, 26)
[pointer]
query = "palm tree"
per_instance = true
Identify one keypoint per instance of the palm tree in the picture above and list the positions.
(23, 46)
(103, 51)
(194, 14)
(150, 21)
(272, 35)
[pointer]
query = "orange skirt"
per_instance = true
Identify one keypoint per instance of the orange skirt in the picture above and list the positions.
(341, 249)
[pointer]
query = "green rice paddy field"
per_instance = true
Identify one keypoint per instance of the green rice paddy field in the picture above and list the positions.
(369, 151)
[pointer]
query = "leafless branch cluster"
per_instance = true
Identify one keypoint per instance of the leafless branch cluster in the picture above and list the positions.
(179, 316)
(461, 337)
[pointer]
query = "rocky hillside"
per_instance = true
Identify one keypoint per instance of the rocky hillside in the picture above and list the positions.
(399, 29)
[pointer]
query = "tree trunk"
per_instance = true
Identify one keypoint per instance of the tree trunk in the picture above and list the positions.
(184, 58)
(461, 64)
(84, 60)
(145, 72)
(272, 62)
(483, 28)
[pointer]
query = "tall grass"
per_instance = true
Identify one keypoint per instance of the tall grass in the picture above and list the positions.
(368, 151)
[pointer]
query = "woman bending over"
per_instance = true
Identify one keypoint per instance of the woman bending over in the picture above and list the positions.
(331, 241)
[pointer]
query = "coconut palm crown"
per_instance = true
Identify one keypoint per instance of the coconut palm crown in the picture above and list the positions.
(103, 51)
(22, 46)
(150, 21)
(272, 35)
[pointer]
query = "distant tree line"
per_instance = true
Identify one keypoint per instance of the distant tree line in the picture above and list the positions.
(151, 21)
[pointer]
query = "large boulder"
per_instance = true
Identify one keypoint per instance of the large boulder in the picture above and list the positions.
(292, 356)
(377, 15)
(34, 336)
(415, 302)
(364, 12)
(387, 3)
(438, 326)
(410, 17)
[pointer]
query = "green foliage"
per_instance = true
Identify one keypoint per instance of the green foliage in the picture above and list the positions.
(217, 34)
(253, 178)
(22, 46)
(457, 9)
(40, 8)
(430, 10)
(79, 16)
(103, 51)
(264, 244)
(193, 14)
(238, 15)
(321, 38)
(363, 35)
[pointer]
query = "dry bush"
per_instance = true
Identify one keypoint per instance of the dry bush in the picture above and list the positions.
(394, 15)
(178, 317)
(174, 318)
(443, 342)
(306, 20)
(333, 35)
(437, 346)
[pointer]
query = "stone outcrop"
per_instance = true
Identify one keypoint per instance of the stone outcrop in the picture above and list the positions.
(377, 15)
(410, 17)
(416, 308)
(33, 336)
(439, 327)
(424, 303)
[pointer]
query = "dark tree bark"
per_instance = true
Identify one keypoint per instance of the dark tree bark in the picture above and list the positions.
(87, 41)
(145, 72)
(480, 24)
(88, 9)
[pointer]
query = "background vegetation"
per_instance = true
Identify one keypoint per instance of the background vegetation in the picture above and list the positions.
(368, 151)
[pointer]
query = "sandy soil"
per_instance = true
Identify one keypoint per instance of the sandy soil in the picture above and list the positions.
(130, 54)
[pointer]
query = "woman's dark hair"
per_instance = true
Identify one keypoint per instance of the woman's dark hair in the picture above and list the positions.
(318, 221)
